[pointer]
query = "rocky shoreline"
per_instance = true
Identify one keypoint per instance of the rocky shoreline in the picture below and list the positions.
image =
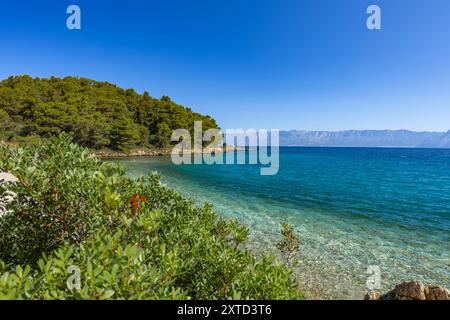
(160, 152)
(143, 152)
(134, 153)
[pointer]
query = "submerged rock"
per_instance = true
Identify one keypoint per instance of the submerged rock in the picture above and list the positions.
(413, 290)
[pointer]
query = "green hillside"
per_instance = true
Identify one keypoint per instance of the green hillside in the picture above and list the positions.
(98, 114)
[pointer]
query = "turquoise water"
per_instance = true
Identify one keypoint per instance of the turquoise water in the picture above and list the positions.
(352, 207)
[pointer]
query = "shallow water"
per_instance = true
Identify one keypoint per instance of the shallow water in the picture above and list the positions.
(352, 207)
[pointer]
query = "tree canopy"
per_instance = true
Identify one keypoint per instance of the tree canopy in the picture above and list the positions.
(97, 114)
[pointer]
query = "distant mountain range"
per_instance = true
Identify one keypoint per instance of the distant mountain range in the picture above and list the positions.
(365, 138)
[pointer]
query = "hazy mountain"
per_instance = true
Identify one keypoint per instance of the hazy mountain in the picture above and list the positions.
(444, 141)
(366, 138)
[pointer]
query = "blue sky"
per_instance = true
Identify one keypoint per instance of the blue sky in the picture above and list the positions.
(303, 64)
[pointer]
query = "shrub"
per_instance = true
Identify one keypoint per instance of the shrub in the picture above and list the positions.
(289, 245)
(76, 218)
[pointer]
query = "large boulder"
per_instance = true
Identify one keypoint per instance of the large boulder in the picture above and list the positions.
(413, 290)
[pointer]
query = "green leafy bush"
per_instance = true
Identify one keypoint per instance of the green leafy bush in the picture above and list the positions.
(74, 216)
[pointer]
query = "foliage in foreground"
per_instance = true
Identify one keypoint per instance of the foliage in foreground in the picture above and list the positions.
(129, 239)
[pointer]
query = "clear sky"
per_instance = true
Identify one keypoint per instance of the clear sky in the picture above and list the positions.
(287, 64)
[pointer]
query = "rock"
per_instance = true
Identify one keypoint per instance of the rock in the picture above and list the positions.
(8, 196)
(372, 296)
(7, 177)
(437, 293)
(412, 290)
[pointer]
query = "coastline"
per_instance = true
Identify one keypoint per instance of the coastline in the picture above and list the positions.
(160, 152)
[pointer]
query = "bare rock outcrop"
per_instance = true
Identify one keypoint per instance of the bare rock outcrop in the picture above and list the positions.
(413, 290)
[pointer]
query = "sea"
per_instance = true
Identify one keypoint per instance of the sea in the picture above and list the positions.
(367, 218)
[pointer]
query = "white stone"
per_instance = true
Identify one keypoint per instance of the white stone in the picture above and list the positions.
(7, 177)
(5, 199)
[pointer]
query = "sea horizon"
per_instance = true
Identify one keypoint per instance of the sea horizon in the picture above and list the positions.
(350, 147)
